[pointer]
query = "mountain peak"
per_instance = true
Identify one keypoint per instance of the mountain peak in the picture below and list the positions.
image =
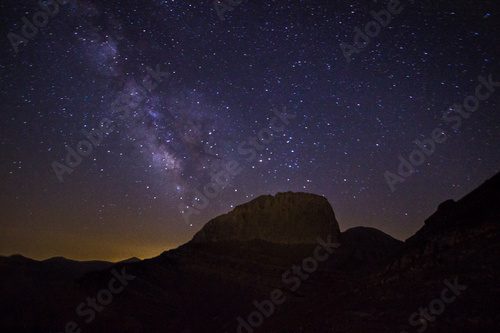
(129, 260)
(286, 218)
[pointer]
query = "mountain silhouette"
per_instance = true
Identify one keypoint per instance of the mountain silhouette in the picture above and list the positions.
(224, 277)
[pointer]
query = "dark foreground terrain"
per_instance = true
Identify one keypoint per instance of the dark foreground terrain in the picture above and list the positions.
(278, 264)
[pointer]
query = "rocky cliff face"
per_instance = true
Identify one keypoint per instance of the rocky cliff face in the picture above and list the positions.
(286, 218)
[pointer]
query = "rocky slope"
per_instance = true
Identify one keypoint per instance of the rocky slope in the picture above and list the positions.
(365, 248)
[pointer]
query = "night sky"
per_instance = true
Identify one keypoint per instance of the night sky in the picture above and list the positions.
(266, 96)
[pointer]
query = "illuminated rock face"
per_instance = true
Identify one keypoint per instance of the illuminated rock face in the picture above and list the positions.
(286, 218)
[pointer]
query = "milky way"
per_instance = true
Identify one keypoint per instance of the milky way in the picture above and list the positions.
(219, 82)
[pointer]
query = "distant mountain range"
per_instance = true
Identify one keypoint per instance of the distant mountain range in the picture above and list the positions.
(278, 264)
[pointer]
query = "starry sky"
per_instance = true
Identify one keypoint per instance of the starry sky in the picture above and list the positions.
(178, 94)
